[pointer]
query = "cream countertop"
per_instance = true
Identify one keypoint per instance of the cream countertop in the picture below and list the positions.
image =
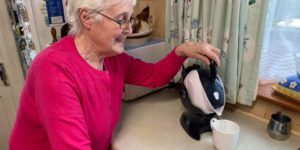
(152, 123)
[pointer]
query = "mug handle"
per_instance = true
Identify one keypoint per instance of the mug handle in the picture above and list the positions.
(213, 121)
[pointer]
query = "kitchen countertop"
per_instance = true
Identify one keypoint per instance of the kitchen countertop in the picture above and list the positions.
(152, 123)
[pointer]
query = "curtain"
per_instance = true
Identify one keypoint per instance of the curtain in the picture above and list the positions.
(230, 25)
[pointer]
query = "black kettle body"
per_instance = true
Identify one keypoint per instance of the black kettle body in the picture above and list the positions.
(196, 119)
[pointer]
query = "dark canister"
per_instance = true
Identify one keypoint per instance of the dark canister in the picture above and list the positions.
(279, 127)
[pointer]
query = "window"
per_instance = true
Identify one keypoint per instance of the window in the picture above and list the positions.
(281, 47)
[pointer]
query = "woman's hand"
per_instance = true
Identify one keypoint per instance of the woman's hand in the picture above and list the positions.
(200, 50)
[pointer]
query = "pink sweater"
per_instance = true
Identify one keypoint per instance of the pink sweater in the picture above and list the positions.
(66, 104)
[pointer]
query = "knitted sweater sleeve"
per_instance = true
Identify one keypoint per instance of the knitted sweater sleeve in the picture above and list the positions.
(150, 75)
(59, 107)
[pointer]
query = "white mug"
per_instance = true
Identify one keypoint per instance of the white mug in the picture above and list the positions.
(225, 134)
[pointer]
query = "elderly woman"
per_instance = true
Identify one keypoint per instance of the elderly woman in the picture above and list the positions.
(72, 95)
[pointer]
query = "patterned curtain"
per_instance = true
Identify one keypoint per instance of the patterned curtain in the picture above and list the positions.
(226, 24)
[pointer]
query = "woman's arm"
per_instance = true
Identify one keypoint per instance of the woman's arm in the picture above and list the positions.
(138, 72)
(150, 75)
(200, 50)
(59, 107)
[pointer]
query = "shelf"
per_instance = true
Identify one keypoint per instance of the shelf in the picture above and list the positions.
(265, 92)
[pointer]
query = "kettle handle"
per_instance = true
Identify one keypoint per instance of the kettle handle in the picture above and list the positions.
(213, 70)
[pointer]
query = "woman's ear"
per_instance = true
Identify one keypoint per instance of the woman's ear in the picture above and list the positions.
(85, 18)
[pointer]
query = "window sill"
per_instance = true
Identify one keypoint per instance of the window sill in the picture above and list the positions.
(265, 92)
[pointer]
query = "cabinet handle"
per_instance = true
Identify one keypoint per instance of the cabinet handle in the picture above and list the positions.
(3, 76)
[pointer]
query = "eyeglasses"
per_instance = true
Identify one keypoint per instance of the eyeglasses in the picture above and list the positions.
(122, 23)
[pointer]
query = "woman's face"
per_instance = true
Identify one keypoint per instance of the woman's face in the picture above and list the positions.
(107, 34)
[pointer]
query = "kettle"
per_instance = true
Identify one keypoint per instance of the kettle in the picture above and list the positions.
(202, 94)
(203, 88)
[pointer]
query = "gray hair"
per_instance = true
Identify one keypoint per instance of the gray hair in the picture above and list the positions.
(97, 5)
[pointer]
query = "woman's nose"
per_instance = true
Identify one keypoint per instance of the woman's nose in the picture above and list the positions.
(128, 28)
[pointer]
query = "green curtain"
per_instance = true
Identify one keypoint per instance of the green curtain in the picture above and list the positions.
(231, 25)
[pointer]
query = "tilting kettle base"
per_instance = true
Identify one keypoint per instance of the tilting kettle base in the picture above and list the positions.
(195, 125)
